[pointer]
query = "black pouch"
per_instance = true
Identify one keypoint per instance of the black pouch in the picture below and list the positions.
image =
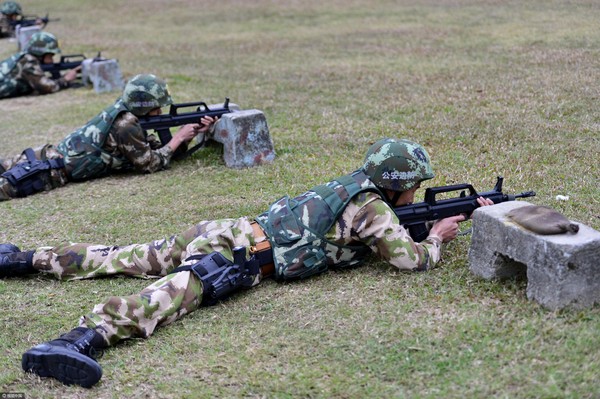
(31, 176)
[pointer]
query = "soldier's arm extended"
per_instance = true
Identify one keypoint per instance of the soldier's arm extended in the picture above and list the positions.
(37, 79)
(376, 225)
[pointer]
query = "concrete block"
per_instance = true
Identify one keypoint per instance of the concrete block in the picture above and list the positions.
(23, 34)
(563, 270)
(103, 75)
(245, 137)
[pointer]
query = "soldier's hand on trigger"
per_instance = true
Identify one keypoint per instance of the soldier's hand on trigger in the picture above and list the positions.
(187, 132)
(184, 135)
(71, 75)
(447, 229)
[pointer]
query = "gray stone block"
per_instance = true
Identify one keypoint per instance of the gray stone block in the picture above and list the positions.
(23, 34)
(104, 75)
(563, 270)
(245, 137)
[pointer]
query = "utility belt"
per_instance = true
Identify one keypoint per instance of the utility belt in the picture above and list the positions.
(220, 277)
(262, 250)
(27, 177)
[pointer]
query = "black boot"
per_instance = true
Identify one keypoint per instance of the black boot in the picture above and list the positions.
(71, 359)
(14, 262)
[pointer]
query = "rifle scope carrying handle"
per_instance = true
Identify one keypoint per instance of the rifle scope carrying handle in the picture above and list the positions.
(71, 57)
(431, 192)
(200, 104)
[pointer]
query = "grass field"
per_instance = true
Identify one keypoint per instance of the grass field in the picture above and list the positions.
(489, 87)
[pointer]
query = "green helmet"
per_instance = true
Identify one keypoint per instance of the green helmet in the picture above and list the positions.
(11, 7)
(397, 165)
(42, 43)
(145, 92)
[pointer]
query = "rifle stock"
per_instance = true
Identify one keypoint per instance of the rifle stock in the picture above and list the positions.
(162, 123)
(415, 216)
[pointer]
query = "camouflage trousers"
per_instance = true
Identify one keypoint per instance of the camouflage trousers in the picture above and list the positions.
(164, 301)
(52, 179)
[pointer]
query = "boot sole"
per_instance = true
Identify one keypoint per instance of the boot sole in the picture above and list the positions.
(66, 365)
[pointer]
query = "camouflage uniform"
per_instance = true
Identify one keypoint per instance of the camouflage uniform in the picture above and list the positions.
(22, 74)
(366, 222)
(7, 9)
(332, 225)
(113, 140)
(6, 28)
(126, 146)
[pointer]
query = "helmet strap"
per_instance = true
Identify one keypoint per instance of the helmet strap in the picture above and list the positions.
(394, 198)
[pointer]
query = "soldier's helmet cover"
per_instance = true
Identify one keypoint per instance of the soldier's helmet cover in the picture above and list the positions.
(42, 43)
(11, 7)
(145, 92)
(397, 165)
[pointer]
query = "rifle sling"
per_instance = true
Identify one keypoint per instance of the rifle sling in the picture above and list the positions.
(193, 149)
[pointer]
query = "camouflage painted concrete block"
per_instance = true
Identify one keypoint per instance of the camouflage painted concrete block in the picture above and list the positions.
(103, 75)
(562, 270)
(245, 137)
(23, 34)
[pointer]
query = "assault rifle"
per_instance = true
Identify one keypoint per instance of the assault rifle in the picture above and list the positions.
(162, 123)
(414, 216)
(31, 21)
(67, 62)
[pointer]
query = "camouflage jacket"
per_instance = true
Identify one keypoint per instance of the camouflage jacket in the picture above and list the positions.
(112, 141)
(338, 225)
(22, 74)
(6, 28)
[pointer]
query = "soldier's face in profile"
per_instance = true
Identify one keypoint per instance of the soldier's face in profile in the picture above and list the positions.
(48, 58)
(154, 112)
(407, 197)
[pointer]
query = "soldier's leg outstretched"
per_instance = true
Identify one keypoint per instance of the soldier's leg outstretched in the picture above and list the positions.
(156, 258)
(79, 261)
(159, 304)
(71, 358)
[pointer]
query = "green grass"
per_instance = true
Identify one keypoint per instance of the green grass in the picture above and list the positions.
(491, 88)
